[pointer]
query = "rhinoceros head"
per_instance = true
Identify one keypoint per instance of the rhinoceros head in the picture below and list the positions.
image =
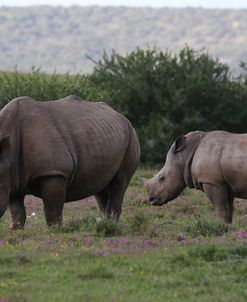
(176, 173)
(169, 182)
(4, 174)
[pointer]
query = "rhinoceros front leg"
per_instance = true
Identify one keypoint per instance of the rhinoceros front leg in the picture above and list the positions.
(53, 193)
(18, 214)
(222, 199)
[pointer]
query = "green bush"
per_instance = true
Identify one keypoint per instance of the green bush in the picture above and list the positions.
(218, 252)
(44, 87)
(211, 252)
(108, 227)
(167, 95)
(163, 94)
(139, 222)
(206, 227)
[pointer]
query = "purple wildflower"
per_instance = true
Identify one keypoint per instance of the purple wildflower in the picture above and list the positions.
(125, 240)
(242, 234)
(145, 243)
(4, 299)
(78, 237)
(102, 253)
(89, 240)
(2, 242)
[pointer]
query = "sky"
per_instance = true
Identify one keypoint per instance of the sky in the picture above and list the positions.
(152, 3)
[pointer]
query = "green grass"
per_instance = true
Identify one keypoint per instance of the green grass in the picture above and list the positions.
(178, 252)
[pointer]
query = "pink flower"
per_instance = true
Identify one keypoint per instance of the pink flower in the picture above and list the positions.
(145, 243)
(78, 238)
(89, 240)
(242, 234)
(102, 253)
(2, 242)
(4, 299)
(125, 240)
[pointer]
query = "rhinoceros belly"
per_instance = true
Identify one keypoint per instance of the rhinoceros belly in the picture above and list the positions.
(85, 185)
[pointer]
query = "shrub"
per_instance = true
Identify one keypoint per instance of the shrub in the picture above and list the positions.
(72, 226)
(139, 222)
(218, 253)
(167, 95)
(108, 227)
(206, 227)
(163, 94)
(44, 87)
(89, 222)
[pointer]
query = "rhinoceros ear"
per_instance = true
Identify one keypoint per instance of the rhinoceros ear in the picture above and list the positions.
(144, 181)
(179, 144)
(4, 145)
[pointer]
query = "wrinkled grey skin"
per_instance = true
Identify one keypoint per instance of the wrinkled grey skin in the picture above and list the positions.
(63, 151)
(213, 162)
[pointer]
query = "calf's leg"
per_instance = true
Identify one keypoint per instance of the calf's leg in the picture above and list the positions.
(222, 199)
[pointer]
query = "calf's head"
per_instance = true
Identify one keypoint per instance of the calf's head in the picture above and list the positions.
(169, 182)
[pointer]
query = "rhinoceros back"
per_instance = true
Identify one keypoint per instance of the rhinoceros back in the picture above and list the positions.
(82, 141)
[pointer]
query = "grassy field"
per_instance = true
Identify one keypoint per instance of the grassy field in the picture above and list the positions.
(178, 252)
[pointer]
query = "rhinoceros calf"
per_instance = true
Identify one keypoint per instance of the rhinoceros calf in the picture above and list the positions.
(63, 151)
(213, 162)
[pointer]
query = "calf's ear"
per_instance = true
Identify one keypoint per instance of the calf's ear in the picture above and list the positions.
(4, 145)
(179, 144)
(144, 181)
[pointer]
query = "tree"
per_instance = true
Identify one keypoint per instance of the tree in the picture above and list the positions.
(166, 95)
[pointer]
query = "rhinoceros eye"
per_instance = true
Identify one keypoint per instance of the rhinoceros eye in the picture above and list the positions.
(161, 178)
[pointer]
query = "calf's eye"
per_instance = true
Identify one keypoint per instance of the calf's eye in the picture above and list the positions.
(161, 178)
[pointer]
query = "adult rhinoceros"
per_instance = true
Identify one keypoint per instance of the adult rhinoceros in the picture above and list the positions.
(213, 162)
(63, 151)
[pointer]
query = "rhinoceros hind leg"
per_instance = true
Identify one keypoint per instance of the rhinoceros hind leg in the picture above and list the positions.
(102, 198)
(120, 182)
(18, 214)
(118, 185)
(53, 193)
(222, 199)
(111, 198)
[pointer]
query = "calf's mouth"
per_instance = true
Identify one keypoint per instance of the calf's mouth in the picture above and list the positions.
(157, 202)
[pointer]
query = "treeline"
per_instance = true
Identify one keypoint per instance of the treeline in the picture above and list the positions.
(163, 94)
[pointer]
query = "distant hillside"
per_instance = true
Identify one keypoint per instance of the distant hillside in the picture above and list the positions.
(58, 38)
